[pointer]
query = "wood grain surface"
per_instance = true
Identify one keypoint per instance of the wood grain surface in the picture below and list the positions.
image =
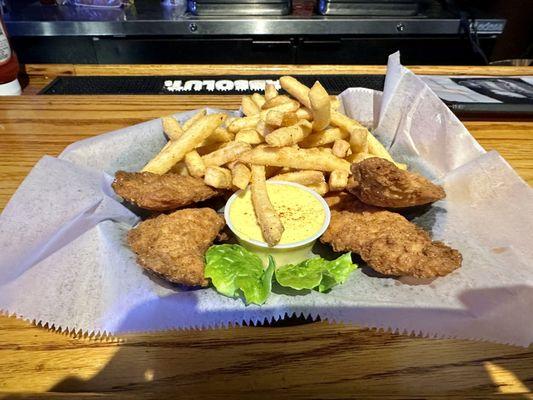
(316, 360)
(208, 69)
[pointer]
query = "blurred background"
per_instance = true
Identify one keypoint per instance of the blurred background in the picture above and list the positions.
(437, 32)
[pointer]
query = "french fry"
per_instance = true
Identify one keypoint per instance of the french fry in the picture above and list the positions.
(277, 118)
(203, 150)
(166, 146)
(274, 118)
(249, 107)
(358, 133)
(249, 136)
(290, 106)
(263, 128)
(229, 120)
(220, 135)
(304, 138)
(304, 113)
(289, 135)
(267, 217)
(340, 148)
(241, 175)
(305, 124)
(172, 128)
(301, 177)
(218, 177)
(226, 154)
(335, 103)
(232, 164)
(290, 118)
(270, 91)
(324, 137)
(377, 149)
(258, 100)
(296, 89)
(191, 121)
(294, 157)
(177, 149)
(245, 122)
(338, 180)
(195, 164)
(321, 107)
(344, 122)
(401, 165)
(276, 101)
(321, 188)
(180, 169)
(358, 157)
(359, 139)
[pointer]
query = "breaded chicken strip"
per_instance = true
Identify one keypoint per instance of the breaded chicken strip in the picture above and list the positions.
(388, 242)
(343, 201)
(161, 192)
(380, 183)
(174, 245)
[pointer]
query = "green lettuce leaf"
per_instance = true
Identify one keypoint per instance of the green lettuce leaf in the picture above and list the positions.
(337, 272)
(316, 273)
(235, 272)
(257, 291)
(305, 275)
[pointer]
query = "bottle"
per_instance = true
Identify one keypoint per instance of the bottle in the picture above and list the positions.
(9, 65)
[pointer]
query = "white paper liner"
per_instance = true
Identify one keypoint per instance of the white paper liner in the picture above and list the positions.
(64, 261)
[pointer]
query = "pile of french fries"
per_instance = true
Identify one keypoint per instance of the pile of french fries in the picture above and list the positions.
(302, 139)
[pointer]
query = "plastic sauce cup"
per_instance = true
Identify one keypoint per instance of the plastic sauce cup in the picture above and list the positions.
(288, 253)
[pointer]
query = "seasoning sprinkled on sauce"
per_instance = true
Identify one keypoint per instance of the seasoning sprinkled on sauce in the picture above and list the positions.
(300, 212)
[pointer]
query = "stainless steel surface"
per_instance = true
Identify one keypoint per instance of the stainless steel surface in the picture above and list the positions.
(245, 26)
(250, 9)
(347, 8)
(149, 18)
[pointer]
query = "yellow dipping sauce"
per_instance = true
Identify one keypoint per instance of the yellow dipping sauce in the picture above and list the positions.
(301, 213)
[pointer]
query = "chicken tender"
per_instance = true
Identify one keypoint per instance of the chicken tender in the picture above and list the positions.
(420, 258)
(161, 192)
(379, 182)
(386, 241)
(173, 245)
(343, 201)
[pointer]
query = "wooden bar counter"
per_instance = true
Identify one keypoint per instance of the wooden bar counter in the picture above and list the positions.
(314, 360)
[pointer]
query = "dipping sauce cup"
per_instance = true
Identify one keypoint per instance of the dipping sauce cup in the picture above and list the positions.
(304, 213)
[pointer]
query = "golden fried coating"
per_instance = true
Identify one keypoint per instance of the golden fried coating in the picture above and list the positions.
(420, 257)
(161, 192)
(388, 242)
(380, 183)
(173, 245)
(343, 201)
